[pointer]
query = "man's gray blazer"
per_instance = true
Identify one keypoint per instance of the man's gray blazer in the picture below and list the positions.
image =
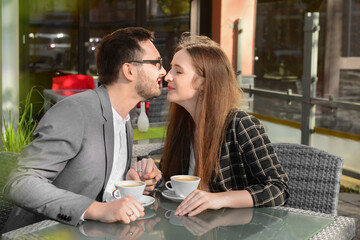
(67, 166)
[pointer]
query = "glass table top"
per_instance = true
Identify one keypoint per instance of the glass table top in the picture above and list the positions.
(160, 222)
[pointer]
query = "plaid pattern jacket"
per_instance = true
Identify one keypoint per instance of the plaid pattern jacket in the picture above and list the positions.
(248, 161)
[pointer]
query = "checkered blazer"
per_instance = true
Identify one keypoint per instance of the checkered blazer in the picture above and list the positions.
(248, 161)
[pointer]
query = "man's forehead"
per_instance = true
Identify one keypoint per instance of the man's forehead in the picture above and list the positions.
(149, 49)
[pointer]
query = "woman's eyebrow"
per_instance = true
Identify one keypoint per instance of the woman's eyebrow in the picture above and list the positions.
(176, 65)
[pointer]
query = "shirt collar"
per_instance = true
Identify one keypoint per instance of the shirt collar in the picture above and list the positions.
(118, 118)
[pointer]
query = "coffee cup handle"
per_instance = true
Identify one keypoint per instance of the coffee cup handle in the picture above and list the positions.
(166, 185)
(116, 194)
(168, 214)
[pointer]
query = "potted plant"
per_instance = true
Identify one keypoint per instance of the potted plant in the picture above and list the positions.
(14, 141)
(16, 138)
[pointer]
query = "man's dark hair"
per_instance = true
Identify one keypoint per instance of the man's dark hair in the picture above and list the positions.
(117, 48)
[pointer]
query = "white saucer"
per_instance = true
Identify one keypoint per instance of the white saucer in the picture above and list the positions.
(146, 200)
(171, 196)
(149, 213)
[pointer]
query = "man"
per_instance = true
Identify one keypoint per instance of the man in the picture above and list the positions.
(83, 144)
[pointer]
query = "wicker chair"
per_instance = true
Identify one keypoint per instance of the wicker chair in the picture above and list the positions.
(314, 177)
(8, 161)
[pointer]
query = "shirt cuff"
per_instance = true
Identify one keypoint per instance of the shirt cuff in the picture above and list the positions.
(82, 217)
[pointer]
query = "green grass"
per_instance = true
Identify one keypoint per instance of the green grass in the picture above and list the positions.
(16, 138)
(155, 132)
(350, 190)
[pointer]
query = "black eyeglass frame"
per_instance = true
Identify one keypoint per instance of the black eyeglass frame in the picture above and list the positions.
(159, 61)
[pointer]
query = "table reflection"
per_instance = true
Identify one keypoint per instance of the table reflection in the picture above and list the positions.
(224, 223)
(160, 222)
(130, 231)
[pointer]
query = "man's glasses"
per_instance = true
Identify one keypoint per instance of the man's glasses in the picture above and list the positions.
(158, 62)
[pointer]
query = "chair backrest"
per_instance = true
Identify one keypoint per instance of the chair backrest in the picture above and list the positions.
(77, 81)
(159, 107)
(314, 177)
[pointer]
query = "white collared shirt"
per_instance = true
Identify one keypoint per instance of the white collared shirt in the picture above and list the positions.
(120, 155)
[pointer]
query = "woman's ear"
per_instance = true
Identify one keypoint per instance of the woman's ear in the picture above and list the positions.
(200, 83)
(128, 71)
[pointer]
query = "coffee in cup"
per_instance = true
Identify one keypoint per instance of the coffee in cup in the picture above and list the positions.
(183, 185)
(185, 178)
(129, 188)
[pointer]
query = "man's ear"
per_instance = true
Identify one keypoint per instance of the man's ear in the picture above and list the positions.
(128, 71)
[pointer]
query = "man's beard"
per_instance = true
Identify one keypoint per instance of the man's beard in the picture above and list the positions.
(144, 90)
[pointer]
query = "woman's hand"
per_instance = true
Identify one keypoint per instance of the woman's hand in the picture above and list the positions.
(198, 201)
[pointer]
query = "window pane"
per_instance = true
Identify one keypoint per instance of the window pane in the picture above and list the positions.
(52, 35)
(168, 19)
(279, 45)
(109, 11)
(278, 108)
(340, 119)
(54, 32)
(279, 49)
(351, 28)
(104, 18)
(349, 89)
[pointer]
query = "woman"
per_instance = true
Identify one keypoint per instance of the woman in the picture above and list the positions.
(209, 136)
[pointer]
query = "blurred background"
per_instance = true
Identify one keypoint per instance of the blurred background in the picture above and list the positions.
(302, 81)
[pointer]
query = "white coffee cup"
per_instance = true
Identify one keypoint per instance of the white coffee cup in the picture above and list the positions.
(129, 188)
(183, 185)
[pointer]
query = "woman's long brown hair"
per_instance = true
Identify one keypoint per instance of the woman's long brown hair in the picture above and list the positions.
(220, 93)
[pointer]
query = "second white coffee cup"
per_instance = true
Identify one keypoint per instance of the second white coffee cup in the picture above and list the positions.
(183, 185)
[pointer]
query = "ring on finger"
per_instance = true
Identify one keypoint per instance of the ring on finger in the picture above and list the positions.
(139, 170)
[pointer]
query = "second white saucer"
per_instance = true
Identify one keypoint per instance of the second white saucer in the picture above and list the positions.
(171, 196)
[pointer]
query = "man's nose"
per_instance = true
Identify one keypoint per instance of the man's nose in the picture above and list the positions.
(162, 72)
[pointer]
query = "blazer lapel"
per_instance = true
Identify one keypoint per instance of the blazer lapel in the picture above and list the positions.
(108, 129)
(130, 137)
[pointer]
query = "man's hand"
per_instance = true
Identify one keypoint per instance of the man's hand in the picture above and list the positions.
(124, 210)
(146, 171)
